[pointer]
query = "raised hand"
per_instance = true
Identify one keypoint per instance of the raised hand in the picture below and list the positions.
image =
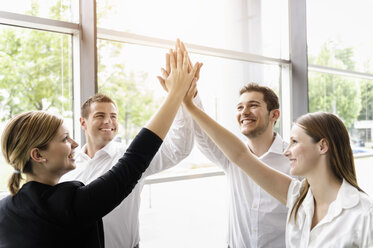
(180, 78)
(177, 83)
(188, 99)
(180, 45)
(166, 71)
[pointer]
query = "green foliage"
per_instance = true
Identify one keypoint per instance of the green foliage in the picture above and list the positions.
(332, 55)
(104, 8)
(135, 102)
(36, 74)
(333, 93)
(366, 89)
(36, 70)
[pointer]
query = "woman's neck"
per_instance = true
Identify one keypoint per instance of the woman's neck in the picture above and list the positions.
(324, 190)
(324, 184)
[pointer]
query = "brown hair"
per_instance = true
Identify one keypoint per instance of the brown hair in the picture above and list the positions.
(98, 97)
(321, 125)
(24, 132)
(269, 96)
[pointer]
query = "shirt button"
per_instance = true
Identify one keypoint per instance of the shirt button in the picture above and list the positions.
(254, 230)
(255, 206)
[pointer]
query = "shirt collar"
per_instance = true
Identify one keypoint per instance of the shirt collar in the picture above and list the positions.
(348, 196)
(278, 146)
(109, 149)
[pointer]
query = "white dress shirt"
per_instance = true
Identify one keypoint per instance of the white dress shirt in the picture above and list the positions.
(255, 219)
(121, 226)
(348, 223)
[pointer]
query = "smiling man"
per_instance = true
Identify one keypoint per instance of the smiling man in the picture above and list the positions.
(256, 219)
(99, 120)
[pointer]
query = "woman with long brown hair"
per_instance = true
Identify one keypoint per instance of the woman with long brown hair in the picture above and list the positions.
(327, 208)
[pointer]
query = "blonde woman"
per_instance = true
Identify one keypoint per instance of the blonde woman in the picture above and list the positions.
(326, 209)
(43, 213)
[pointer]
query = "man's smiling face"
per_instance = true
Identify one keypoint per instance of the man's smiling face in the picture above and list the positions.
(101, 126)
(252, 114)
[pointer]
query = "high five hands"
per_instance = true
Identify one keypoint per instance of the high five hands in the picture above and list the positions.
(180, 77)
(164, 79)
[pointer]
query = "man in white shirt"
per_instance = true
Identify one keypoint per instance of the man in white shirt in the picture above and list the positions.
(99, 122)
(256, 219)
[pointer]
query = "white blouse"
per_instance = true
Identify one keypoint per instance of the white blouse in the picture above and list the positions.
(348, 223)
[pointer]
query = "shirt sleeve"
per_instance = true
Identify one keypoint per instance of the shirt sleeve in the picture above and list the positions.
(177, 145)
(293, 192)
(98, 198)
(206, 145)
(367, 231)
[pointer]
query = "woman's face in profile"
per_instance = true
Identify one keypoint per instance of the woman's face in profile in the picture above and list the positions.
(60, 152)
(302, 152)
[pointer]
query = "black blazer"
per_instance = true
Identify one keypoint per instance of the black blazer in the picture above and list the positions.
(69, 214)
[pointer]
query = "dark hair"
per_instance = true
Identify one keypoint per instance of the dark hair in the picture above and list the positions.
(269, 96)
(322, 125)
(98, 97)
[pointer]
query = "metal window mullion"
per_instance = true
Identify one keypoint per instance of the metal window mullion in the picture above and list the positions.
(286, 101)
(183, 177)
(76, 87)
(126, 37)
(85, 61)
(39, 23)
(336, 71)
(298, 58)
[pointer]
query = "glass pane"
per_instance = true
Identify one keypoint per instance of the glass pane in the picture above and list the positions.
(349, 98)
(36, 74)
(62, 10)
(251, 26)
(364, 173)
(131, 81)
(199, 204)
(339, 34)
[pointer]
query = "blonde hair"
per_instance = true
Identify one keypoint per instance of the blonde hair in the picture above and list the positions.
(34, 129)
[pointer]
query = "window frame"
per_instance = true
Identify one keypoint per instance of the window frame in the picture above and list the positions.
(293, 73)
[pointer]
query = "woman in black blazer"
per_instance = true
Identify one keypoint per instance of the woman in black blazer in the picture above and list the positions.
(45, 213)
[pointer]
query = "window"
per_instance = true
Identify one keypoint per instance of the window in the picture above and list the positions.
(36, 74)
(62, 10)
(340, 38)
(341, 71)
(128, 74)
(250, 26)
(132, 42)
(36, 66)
